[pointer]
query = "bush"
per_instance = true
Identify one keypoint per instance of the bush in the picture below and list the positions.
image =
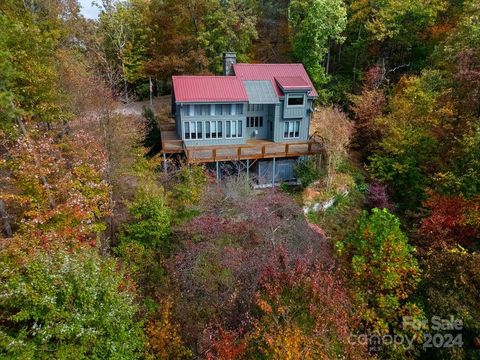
(377, 197)
(67, 305)
(152, 220)
(307, 171)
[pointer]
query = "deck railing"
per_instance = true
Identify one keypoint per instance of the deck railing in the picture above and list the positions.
(249, 151)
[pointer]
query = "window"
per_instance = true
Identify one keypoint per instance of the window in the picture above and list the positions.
(255, 107)
(233, 129)
(239, 109)
(189, 109)
(202, 110)
(291, 129)
(255, 121)
(199, 130)
(193, 130)
(213, 129)
(295, 100)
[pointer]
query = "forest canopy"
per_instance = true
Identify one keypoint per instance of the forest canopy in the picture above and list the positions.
(103, 255)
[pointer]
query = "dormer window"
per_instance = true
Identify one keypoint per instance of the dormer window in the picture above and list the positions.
(295, 100)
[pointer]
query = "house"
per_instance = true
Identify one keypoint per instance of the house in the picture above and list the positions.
(257, 114)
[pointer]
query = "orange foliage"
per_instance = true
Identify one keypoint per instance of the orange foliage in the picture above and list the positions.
(164, 342)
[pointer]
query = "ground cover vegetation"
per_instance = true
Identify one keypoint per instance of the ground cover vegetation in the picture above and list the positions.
(102, 255)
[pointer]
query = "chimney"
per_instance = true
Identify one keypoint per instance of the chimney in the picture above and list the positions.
(229, 58)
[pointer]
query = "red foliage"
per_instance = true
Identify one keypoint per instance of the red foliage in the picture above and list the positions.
(377, 197)
(225, 345)
(452, 220)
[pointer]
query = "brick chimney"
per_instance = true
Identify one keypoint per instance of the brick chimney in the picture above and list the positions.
(229, 58)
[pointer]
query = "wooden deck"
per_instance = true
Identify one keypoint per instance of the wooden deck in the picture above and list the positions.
(171, 144)
(253, 149)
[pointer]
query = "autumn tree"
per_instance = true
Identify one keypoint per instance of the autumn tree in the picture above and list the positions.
(77, 303)
(335, 130)
(383, 271)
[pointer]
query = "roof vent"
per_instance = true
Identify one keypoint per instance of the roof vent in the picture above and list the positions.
(229, 58)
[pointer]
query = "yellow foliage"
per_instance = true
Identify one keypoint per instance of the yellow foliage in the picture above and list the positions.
(164, 342)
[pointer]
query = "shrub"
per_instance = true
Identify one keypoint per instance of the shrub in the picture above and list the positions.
(307, 171)
(377, 197)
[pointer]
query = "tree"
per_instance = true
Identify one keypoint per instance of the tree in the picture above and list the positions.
(315, 24)
(151, 225)
(450, 287)
(67, 305)
(229, 27)
(335, 130)
(452, 220)
(382, 269)
(122, 36)
(305, 312)
(408, 150)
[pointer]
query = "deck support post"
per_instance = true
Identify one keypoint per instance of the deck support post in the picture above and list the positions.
(273, 172)
(164, 163)
(218, 170)
(248, 169)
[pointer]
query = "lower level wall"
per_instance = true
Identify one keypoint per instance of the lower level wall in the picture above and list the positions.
(284, 170)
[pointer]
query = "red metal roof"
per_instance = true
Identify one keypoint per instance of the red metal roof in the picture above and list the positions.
(272, 71)
(292, 82)
(208, 88)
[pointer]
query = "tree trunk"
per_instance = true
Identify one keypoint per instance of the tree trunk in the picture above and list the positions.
(6, 223)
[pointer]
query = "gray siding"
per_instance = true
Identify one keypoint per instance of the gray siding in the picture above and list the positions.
(303, 118)
(275, 114)
(263, 131)
(210, 116)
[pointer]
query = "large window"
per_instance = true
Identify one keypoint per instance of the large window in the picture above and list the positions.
(189, 110)
(213, 129)
(255, 107)
(202, 110)
(193, 130)
(295, 100)
(291, 129)
(233, 129)
(228, 109)
(255, 121)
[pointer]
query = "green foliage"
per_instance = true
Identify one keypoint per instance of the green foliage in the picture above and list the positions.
(409, 146)
(152, 220)
(382, 269)
(463, 174)
(316, 23)
(229, 27)
(403, 20)
(65, 306)
(307, 171)
(28, 75)
(187, 192)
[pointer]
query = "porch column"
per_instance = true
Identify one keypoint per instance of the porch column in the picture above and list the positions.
(248, 169)
(164, 163)
(218, 170)
(273, 172)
